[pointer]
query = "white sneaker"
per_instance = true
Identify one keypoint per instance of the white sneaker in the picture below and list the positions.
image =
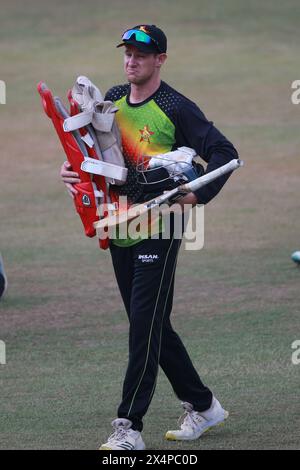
(123, 437)
(194, 423)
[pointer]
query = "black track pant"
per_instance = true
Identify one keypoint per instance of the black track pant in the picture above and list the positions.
(145, 275)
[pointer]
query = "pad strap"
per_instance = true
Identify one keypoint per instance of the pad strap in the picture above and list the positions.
(98, 167)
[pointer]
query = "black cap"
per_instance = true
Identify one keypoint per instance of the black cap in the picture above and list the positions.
(158, 43)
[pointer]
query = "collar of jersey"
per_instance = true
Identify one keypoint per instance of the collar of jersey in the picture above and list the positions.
(136, 105)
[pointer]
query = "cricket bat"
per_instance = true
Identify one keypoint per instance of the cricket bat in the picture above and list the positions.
(169, 197)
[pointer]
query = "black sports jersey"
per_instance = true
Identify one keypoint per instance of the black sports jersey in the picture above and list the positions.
(163, 122)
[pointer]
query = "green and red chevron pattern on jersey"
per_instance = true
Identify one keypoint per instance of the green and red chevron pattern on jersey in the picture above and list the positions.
(146, 128)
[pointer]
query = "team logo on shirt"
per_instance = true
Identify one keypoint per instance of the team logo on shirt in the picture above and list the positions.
(146, 134)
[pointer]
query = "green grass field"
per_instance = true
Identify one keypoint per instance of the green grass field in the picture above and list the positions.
(237, 300)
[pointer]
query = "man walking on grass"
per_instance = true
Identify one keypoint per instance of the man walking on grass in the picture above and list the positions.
(153, 119)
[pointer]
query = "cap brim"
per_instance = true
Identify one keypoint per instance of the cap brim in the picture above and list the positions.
(147, 48)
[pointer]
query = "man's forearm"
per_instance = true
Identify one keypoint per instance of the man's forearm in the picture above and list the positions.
(220, 157)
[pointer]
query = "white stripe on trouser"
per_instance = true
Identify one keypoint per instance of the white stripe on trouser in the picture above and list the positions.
(150, 334)
(161, 328)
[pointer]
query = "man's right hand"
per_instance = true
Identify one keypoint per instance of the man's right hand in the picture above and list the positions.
(69, 177)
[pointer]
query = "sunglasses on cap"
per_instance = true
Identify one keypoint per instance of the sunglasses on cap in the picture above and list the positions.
(140, 36)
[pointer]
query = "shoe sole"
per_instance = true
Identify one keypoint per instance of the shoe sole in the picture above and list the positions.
(172, 437)
(140, 447)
